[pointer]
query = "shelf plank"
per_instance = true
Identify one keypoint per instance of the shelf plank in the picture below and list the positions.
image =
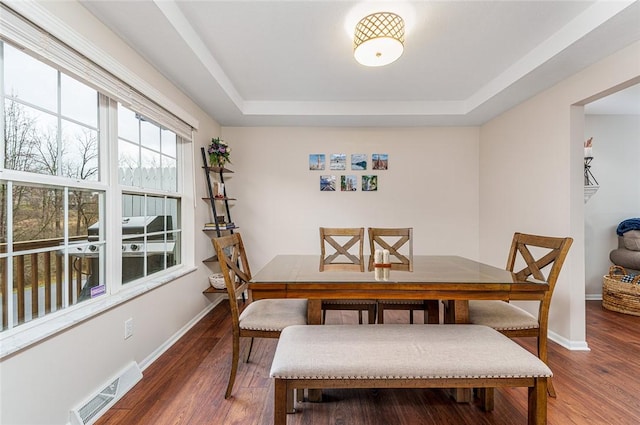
(219, 199)
(217, 169)
(212, 259)
(212, 290)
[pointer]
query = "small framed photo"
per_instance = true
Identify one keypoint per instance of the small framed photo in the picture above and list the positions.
(358, 161)
(316, 161)
(328, 183)
(369, 183)
(379, 161)
(348, 183)
(338, 161)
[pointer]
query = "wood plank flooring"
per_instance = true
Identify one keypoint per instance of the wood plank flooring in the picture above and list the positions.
(186, 385)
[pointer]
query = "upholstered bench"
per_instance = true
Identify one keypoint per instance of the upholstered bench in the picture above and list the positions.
(404, 356)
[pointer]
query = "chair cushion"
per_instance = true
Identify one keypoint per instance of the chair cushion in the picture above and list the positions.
(500, 315)
(400, 352)
(273, 314)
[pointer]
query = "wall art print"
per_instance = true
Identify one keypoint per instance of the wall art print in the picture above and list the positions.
(348, 183)
(358, 161)
(327, 183)
(379, 161)
(316, 161)
(369, 183)
(338, 161)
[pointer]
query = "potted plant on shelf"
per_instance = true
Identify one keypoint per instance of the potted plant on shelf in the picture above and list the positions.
(219, 152)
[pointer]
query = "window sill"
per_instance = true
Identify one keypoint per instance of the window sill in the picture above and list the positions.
(27, 334)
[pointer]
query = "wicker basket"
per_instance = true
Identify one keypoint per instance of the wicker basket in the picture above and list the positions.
(623, 297)
(217, 281)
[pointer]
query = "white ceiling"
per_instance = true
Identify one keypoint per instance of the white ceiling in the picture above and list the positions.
(250, 63)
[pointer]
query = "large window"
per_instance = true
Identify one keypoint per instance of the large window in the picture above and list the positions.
(68, 147)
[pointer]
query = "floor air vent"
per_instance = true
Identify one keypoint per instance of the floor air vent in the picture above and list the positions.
(91, 410)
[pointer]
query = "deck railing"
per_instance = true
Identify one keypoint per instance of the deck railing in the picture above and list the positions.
(38, 280)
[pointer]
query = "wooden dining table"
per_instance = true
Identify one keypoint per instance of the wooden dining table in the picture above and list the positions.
(453, 279)
(434, 277)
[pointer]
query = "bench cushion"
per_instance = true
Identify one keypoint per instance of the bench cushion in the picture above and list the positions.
(401, 352)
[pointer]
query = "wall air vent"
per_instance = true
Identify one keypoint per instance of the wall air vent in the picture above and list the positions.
(89, 412)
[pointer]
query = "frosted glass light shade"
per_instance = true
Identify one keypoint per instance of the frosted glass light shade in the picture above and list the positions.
(379, 39)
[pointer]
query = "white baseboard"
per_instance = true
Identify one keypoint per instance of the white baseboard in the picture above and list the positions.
(568, 344)
(593, 297)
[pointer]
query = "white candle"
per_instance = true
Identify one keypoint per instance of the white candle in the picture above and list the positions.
(588, 152)
(385, 260)
(385, 256)
(377, 257)
(378, 273)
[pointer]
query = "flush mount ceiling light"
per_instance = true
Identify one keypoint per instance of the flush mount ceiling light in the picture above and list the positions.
(378, 39)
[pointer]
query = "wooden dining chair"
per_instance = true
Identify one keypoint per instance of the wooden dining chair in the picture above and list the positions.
(258, 319)
(530, 257)
(341, 249)
(399, 243)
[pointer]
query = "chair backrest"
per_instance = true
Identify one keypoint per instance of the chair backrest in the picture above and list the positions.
(399, 242)
(346, 246)
(234, 266)
(534, 254)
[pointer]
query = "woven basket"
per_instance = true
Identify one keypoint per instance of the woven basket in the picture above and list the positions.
(217, 281)
(623, 297)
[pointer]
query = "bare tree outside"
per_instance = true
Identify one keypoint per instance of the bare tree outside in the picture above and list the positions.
(30, 147)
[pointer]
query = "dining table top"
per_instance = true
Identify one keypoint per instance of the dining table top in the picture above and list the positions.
(436, 276)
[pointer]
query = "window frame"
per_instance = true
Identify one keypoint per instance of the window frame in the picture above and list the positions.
(30, 332)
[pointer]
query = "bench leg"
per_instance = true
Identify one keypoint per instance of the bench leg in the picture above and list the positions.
(486, 396)
(291, 408)
(280, 402)
(461, 395)
(538, 402)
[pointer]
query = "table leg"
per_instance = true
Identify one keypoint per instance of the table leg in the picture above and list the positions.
(461, 311)
(457, 311)
(314, 312)
(314, 317)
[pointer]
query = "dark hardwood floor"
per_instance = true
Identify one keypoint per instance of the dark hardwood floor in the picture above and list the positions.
(186, 385)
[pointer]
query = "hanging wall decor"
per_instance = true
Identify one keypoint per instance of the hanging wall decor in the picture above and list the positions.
(348, 183)
(379, 161)
(328, 183)
(338, 161)
(316, 161)
(369, 183)
(358, 161)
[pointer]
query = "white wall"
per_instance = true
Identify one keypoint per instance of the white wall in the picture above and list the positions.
(531, 179)
(431, 185)
(615, 166)
(42, 383)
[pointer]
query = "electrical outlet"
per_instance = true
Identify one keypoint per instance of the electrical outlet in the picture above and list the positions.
(128, 328)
